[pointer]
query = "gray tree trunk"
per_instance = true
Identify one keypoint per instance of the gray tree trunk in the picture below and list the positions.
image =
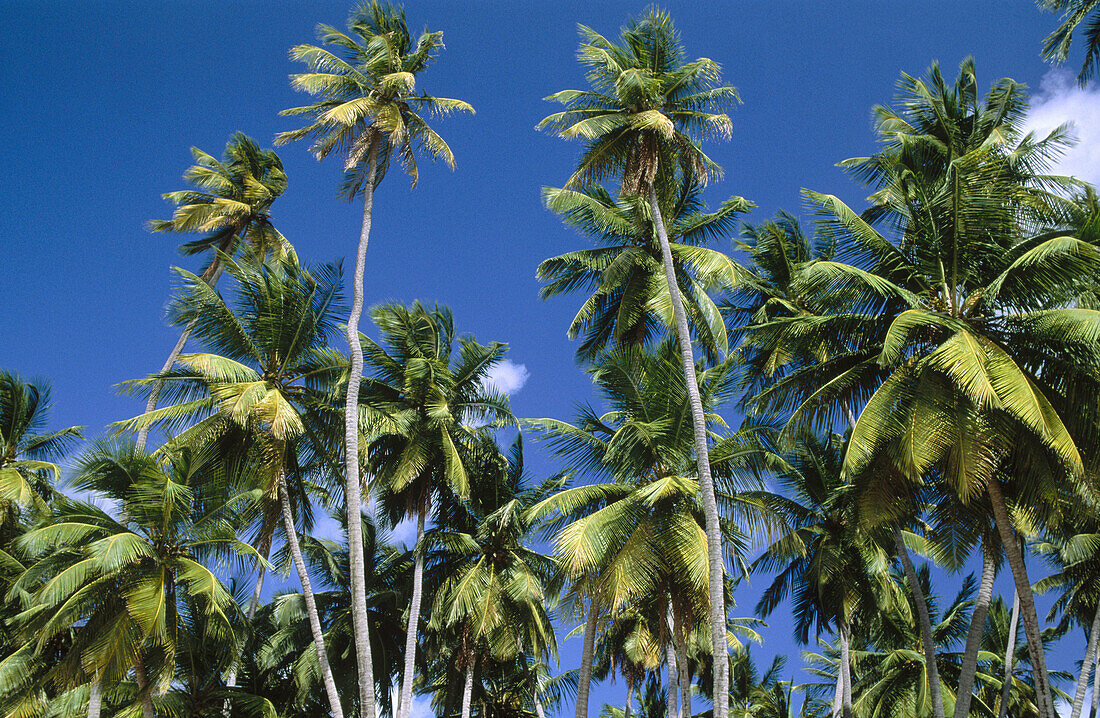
(468, 689)
(584, 682)
(307, 594)
(1095, 686)
(144, 691)
(1010, 655)
(1027, 600)
(404, 705)
(838, 694)
(629, 698)
(1090, 654)
(845, 671)
(931, 670)
(969, 666)
(95, 698)
(679, 633)
(253, 604)
(210, 276)
(715, 562)
(353, 484)
(673, 683)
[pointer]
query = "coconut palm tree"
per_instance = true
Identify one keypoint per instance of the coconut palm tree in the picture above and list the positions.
(642, 118)
(428, 397)
(25, 452)
(629, 301)
(268, 371)
(230, 206)
(124, 581)
(368, 111)
(1056, 45)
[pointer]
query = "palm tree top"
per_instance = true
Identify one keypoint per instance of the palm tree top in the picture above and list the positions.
(367, 90)
(646, 102)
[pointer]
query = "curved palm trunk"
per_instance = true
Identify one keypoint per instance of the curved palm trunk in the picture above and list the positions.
(532, 679)
(95, 698)
(353, 484)
(1095, 685)
(629, 697)
(210, 276)
(974, 638)
(404, 705)
(468, 688)
(715, 563)
(144, 691)
(1010, 655)
(931, 670)
(584, 682)
(670, 658)
(1090, 654)
(253, 605)
(845, 671)
(307, 594)
(838, 694)
(1027, 600)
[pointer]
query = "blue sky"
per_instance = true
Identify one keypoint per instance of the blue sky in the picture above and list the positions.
(103, 100)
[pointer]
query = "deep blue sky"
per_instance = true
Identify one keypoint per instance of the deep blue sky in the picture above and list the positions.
(102, 101)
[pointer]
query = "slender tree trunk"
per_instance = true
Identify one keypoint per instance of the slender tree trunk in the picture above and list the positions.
(404, 706)
(253, 605)
(845, 671)
(969, 666)
(715, 562)
(468, 688)
(679, 634)
(838, 694)
(1090, 653)
(1095, 685)
(1027, 600)
(931, 670)
(307, 594)
(144, 691)
(670, 659)
(1010, 655)
(532, 679)
(629, 697)
(210, 276)
(584, 683)
(353, 483)
(95, 698)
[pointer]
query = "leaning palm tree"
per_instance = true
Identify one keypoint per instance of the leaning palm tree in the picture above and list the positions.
(268, 371)
(230, 206)
(427, 397)
(642, 118)
(367, 111)
(1056, 45)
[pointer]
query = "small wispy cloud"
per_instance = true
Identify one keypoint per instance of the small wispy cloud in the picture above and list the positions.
(1061, 100)
(507, 377)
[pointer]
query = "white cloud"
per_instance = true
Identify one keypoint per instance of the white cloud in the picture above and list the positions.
(404, 533)
(1060, 100)
(507, 377)
(328, 528)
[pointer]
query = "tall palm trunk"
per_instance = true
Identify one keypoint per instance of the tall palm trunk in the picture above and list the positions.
(144, 690)
(359, 622)
(1027, 600)
(1095, 685)
(715, 562)
(845, 671)
(210, 276)
(629, 697)
(1010, 655)
(584, 682)
(931, 670)
(468, 687)
(670, 659)
(532, 679)
(838, 694)
(1090, 653)
(95, 697)
(404, 705)
(307, 594)
(974, 638)
(253, 605)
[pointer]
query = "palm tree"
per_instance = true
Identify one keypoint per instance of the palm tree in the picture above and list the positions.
(367, 111)
(971, 302)
(427, 396)
(230, 206)
(641, 120)
(270, 372)
(25, 453)
(629, 301)
(1056, 45)
(124, 580)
